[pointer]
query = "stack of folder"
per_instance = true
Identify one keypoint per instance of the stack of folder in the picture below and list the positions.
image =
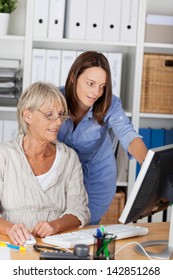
(10, 82)
(49, 18)
(7, 83)
(155, 137)
(107, 20)
(53, 66)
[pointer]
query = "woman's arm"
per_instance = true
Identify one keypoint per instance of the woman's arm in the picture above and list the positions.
(5, 226)
(138, 149)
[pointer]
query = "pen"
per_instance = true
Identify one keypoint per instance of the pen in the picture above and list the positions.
(105, 244)
(104, 247)
(102, 230)
(21, 248)
(98, 233)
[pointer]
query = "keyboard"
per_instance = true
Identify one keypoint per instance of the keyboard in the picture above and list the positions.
(85, 236)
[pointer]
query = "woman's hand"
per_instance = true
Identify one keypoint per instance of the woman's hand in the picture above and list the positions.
(43, 229)
(66, 222)
(18, 233)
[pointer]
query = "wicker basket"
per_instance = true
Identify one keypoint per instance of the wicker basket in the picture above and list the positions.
(115, 209)
(157, 84)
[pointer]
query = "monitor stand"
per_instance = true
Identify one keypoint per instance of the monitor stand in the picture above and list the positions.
(164, 254)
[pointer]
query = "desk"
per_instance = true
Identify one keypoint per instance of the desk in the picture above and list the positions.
(157, 231)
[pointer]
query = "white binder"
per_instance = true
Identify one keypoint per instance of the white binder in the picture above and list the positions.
(53, 64)
(115, 62)
(75, 23)
(38, 65)
(129, 19)
(94, 24)
(40, 24)
(10, 130)
(67, 59)
(111, 20)
(1, 131)
(56, 18)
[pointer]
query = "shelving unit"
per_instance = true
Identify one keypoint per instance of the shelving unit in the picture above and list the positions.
(20, 42)
(148, 119)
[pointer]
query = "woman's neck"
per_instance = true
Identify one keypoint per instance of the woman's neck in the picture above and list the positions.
(34, 148)
(79, 113)
(40, 155)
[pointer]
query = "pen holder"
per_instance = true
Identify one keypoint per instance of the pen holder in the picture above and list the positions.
(104, 247)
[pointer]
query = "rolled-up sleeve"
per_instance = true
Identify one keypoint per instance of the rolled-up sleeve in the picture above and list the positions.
(121, 124)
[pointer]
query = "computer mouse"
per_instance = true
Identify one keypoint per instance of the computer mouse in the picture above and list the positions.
(30, 241)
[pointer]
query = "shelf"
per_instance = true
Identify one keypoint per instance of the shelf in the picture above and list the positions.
(12, 47)
(12, 38)
(156, 116)
(71, 44)
(7, 109)
(158, 48)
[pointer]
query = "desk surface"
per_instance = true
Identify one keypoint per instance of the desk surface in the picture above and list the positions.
(157, 231)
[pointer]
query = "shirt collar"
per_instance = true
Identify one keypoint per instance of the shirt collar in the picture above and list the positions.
(89, 114)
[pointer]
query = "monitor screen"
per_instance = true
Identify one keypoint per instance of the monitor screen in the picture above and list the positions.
(153, 188)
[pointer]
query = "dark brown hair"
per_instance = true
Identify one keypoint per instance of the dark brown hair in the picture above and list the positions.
(84, 61)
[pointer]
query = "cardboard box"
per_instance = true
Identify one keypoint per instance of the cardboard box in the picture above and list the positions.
(115, 209)
(159, 29)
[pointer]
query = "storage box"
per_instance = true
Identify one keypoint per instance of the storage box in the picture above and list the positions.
(115, 209)
(157, 84)
(159, 29)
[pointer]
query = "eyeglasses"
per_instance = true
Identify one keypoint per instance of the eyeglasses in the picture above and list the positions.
(51, 117)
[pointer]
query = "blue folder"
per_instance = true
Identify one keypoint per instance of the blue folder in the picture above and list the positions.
(168, 136)
(157, 137)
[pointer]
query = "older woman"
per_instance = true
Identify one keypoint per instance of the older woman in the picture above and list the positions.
(41, 179)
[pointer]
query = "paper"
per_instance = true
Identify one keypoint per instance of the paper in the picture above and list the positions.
(5, 253)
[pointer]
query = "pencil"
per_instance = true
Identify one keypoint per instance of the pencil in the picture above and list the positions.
(21, 248)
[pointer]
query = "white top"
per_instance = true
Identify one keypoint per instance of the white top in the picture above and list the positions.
(45, 179)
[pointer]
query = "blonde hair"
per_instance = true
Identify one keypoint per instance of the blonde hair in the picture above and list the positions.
(36, 96)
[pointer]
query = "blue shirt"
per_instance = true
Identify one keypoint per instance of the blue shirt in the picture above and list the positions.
(93, 145)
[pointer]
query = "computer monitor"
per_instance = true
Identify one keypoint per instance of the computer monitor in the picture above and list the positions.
(151, 193)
